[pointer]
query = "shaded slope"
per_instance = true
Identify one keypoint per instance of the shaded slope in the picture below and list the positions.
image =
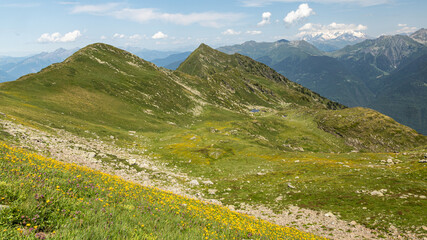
(404, 95)
(372, 59)
(329, 77)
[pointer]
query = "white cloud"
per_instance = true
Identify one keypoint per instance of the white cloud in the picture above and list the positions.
(265, 18)
(144, 15)
(135, 37)
(95, 9)
(303, 11)
(118, 35)
(331, 31)
(404, 28)
(103, 37)
(57, 37)
(230, 32)
(254, 32)
(159, 35)
(365, 3)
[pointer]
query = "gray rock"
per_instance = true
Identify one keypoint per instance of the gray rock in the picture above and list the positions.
(353, 223)
(423, 161)
(329, 214)
(91, 154)
(291, 186)
(377, 193)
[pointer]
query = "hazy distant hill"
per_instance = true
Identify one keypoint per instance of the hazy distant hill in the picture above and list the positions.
(5, 77)
(420, 36)
(148, 54)
(172, 61)
(373, 59)
(35, 63)
(403, 95)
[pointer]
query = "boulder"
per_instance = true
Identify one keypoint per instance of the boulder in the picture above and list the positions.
(377, 193)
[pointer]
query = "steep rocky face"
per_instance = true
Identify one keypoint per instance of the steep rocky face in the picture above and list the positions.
(420, 36)
(383, 54)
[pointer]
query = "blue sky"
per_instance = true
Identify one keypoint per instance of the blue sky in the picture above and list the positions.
(29, 27)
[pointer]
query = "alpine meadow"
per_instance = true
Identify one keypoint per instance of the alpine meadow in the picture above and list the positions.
(215, 127)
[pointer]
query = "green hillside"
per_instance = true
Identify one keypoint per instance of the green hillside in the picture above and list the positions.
(256, 137)
(73, 202)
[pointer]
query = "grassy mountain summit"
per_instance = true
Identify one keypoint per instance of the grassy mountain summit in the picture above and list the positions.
(248, 79)
(223, 126)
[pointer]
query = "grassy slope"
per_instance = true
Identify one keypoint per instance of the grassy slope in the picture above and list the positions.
(214, 129)
(48, 198)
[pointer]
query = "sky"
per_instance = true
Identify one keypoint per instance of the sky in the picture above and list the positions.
(33, 26)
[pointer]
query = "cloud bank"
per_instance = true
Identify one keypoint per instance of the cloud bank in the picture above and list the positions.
(144, 15)
(404, 28)
(57, 37)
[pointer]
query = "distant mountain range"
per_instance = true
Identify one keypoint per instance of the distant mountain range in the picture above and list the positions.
(371, 73)
(17, 67)
(149, 55)
(329, 43)
(387, 73)
(172, 61)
